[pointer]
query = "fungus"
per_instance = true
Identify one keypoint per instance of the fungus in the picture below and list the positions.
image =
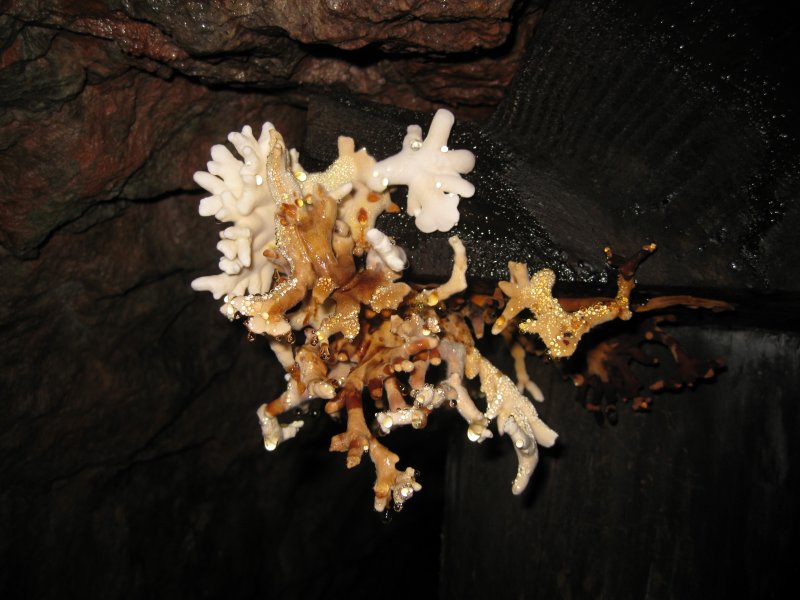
(304, 265)
(432, 172)
(559, 329)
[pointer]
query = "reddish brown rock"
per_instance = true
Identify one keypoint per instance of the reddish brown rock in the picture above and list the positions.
(137, 38)
(446, 27)
(398, 53)
(86, 151)
(105, 140)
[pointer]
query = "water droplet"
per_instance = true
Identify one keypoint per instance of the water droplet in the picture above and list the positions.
(474, 432)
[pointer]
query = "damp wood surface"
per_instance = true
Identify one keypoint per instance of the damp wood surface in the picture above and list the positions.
(697, 498)
(625, 125)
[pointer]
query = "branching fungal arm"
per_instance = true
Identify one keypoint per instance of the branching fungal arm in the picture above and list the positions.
(432, 172)
(303, 264)
(559, 329)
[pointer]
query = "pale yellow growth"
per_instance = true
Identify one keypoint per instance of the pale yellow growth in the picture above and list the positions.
(360, 207)
(360, 210)
(559, 329)
(524, 381)
(351, 166)
(516, 417)
(458, 278)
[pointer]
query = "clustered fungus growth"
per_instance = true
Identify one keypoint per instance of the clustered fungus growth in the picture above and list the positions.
(303, 264)
(609, 371)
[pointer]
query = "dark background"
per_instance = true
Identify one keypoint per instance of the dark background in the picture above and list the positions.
(130, 459)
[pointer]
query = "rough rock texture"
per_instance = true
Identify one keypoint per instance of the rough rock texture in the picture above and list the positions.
(130, 459)
(91, 130)
(417, 54)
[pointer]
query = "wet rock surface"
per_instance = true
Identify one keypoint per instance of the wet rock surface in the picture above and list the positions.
(130, 458)
(418, 54)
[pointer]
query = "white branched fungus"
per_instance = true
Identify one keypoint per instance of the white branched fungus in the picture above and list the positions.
(239, 195)
(432, 172)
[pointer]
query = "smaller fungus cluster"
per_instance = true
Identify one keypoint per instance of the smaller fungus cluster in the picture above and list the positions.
(304, 265)
(610, 370)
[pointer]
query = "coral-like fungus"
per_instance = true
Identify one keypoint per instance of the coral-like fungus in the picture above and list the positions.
(432, 172)
(304, 265)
